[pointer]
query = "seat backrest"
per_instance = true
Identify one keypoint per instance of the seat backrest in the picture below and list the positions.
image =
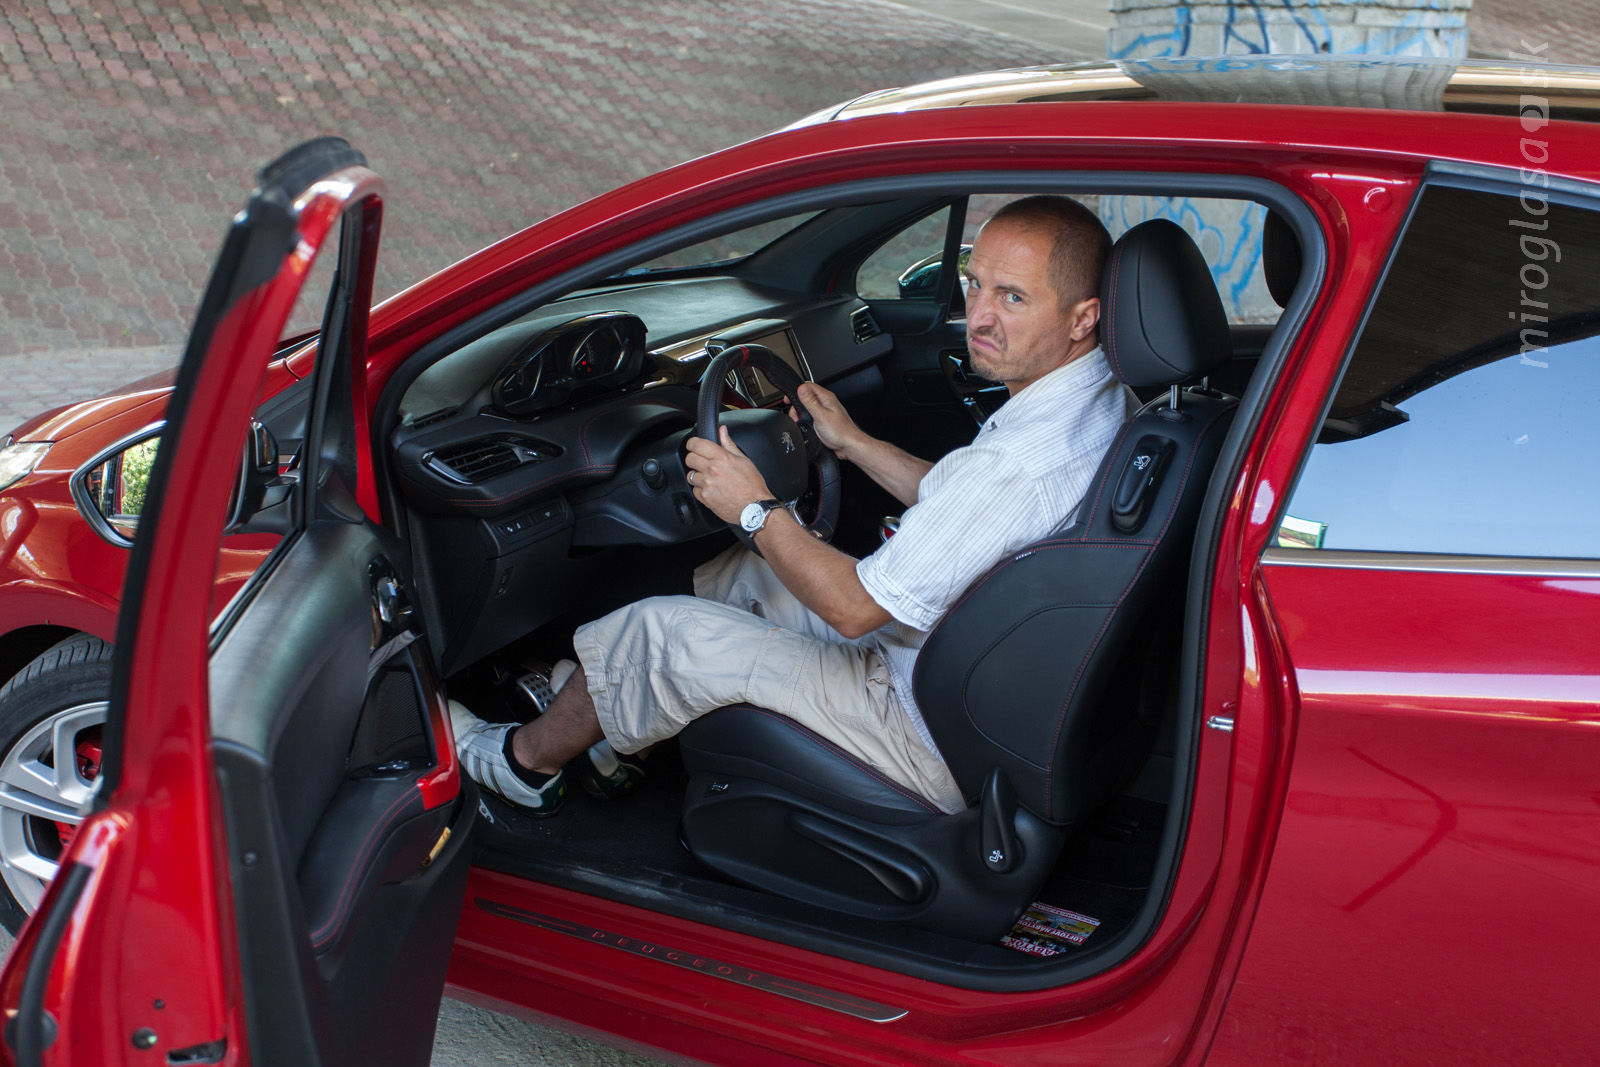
(1037, 667)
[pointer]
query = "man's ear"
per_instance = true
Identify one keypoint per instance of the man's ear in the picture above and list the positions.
(1085, 317)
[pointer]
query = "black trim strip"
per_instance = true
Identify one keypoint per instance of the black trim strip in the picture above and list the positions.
(843, 1003)
(35, 1030)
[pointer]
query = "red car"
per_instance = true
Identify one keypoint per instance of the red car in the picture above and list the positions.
(1285, 749)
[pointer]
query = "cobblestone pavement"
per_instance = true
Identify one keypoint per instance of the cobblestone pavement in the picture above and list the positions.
(1559, 31)
(132, 129)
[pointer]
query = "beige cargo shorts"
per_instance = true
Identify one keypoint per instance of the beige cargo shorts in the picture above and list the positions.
(658, 664)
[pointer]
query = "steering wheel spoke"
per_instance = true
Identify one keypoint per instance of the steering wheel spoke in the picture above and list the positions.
(823, 482)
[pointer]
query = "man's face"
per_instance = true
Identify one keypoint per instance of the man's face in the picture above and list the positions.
(1017, 330)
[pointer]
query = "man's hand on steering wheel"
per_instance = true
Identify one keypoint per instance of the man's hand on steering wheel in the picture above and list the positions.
(788, 466)
(830, 421)
(722, 477)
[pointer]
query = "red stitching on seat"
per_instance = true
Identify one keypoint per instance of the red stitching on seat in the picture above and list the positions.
(325, 933)
(806, 731)
(1118, 253)
(1061, 715)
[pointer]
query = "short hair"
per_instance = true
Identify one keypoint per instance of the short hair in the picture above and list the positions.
(1080, 246)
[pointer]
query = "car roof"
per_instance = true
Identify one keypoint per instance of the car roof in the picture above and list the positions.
(1380, 82)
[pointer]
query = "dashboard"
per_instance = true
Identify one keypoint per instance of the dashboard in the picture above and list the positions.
(525, 452)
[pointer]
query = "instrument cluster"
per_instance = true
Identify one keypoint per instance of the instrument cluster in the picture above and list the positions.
(603, 349)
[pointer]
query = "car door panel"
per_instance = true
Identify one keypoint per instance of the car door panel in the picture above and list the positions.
(274, 869)
(1454, 770)
(1431, 591)
(322, 752)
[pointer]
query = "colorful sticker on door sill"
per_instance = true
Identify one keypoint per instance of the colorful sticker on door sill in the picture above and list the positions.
(1045, 930)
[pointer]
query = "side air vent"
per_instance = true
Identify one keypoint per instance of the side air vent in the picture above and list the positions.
(478, 461)
(863, 325)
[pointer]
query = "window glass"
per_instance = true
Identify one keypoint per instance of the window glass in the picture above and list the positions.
(1467, 420)
(728, 248)
(246, 549)
(906, 267)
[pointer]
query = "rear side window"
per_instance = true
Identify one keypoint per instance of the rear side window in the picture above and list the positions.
(1468, 420)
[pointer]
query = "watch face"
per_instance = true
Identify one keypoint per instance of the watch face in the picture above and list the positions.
(753, 517)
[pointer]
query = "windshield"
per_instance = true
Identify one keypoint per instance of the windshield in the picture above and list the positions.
(724, 250)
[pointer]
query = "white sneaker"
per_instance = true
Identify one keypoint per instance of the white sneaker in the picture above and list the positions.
(481, 747)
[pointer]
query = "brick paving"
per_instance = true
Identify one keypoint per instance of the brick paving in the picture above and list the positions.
(1560, 31)
(132, 128)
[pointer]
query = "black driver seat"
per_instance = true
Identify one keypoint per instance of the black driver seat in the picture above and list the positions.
(1041, 686)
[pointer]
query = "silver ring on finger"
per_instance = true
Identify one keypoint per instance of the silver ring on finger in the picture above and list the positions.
(691, 477)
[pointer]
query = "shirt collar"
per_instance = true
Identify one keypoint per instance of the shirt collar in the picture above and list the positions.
(1088, 369)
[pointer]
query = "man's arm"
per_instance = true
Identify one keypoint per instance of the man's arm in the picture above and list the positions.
(819, 575)
(893, 468)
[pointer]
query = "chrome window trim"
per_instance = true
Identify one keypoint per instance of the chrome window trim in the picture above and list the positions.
(1347, 559)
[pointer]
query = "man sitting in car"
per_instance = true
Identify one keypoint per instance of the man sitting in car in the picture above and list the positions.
(809, 631)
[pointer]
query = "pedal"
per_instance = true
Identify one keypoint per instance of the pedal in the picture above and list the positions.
(534, 687)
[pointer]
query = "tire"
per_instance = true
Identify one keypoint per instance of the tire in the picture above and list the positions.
(59, 700)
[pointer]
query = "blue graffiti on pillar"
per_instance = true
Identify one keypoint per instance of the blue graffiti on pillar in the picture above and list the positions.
(1230, 241)
(1246, 27)
(1230, 233)
(1144, 46)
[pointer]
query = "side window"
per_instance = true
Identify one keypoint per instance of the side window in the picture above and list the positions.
(906, 266)
(1466, 422)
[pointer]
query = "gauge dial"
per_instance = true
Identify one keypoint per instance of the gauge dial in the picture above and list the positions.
(599, 352)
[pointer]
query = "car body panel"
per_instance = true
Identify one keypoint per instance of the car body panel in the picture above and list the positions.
(1299, 147)
(149, 872)
(1439, 822)
(54, 570)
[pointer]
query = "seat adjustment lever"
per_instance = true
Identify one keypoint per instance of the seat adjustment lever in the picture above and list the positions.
(1139, 482)
(997, 831)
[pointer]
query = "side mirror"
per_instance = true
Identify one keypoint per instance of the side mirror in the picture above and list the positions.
(110, 489)
(920, 281)
(259, 485)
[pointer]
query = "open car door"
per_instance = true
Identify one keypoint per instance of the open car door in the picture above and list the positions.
(275, 867)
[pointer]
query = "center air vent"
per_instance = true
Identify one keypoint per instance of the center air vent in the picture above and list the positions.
(478, 461)
(863, 325)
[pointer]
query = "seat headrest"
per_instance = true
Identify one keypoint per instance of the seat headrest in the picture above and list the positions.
(1161, 320)
(1280, 258)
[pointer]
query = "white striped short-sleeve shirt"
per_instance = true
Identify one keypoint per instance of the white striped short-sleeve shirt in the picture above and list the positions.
(1018, 480)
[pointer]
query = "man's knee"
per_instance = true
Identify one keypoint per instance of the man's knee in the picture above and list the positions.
(657, 629)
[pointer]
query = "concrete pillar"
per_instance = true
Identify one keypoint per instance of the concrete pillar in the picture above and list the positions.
(1169, 29)
(1144, 28)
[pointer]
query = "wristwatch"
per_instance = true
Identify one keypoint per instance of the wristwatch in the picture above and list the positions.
(754, 515)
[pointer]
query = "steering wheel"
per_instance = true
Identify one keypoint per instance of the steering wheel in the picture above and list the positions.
(804, 473)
